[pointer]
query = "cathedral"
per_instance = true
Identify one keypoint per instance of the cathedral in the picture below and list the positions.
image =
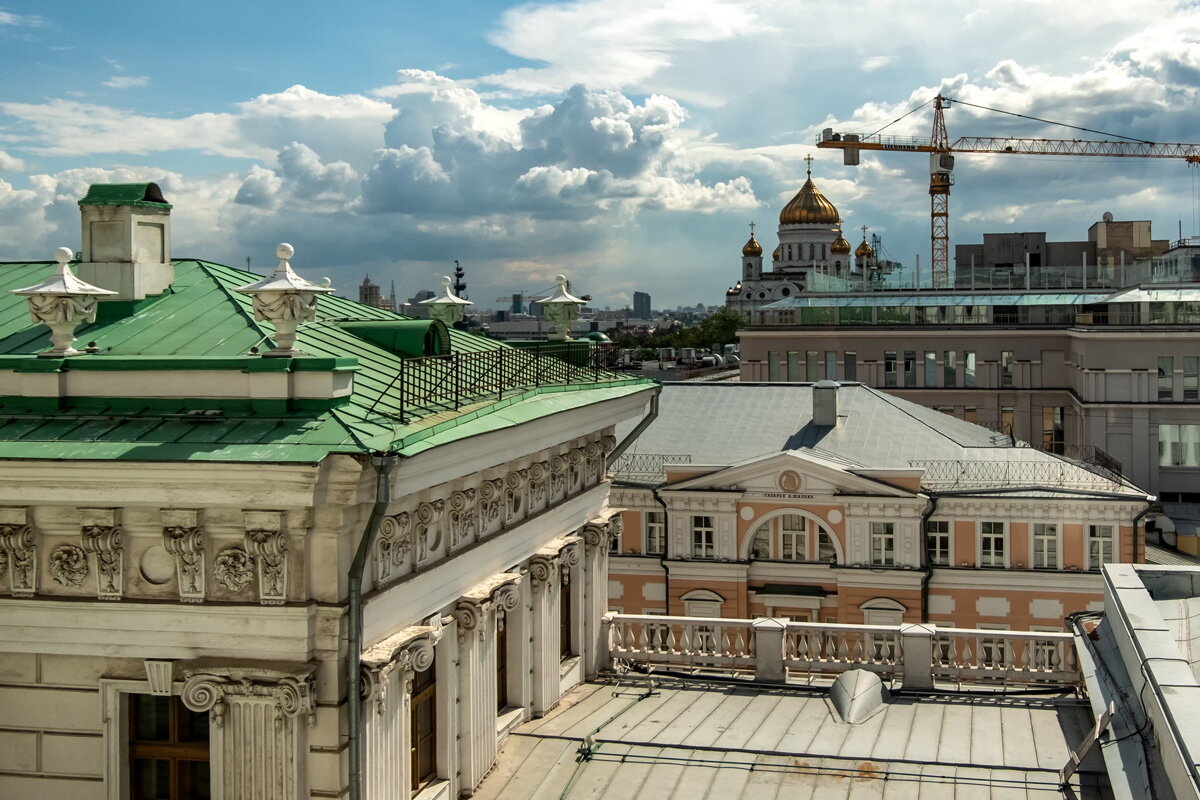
(811, 249)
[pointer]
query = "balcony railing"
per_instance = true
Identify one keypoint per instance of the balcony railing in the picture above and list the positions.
(646, 467)
(952, 475)
(915, 655)
(443, 383)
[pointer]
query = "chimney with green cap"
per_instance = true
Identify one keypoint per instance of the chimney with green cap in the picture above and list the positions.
(126, 239)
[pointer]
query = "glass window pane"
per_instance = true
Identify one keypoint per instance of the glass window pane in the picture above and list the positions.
(930, 369)
(851, 367)
(193, 780)
(969, 370)
(151, 718)
(151, 779)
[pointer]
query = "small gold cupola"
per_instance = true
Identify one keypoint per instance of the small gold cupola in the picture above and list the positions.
(840, 246)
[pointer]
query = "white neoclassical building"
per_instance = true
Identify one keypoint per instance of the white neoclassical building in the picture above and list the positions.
(261, 542)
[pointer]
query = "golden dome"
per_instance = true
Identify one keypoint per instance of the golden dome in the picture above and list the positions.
(775, 255)
(840, 246)
(809, 206)
(863, 250)
(752, 248)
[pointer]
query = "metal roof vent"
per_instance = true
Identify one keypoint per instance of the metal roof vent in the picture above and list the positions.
(824, 400)
(858, 695)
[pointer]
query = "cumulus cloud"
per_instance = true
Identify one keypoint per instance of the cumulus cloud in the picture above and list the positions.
(10, 163)
(610, 43)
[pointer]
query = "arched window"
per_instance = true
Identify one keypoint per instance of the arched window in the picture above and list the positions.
(785, 291)
(782, 538)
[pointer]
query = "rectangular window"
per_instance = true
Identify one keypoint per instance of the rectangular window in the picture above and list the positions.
(883, 543)
(423, 722)
(930, 369)
(810, 366)
(1045, 546)
(991, 544)
(1191, 378)
(168, 748)
(656, 533)
(1006, 421)
(566, 626)
(1100, 545)
(793, 366)
(969, 370)
(937, 542)
(1166, 378)
(793, 538)
(773, 366)
(889, 368)
(1179, 445)
(1052, 429)
(910, 367)
(1006, 368)
(830, 365)
(950, 368)
(851, 367)
(971, 414)
(703, 540)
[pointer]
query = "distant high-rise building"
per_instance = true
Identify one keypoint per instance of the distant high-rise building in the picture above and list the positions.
(641, 305)
(368, 293)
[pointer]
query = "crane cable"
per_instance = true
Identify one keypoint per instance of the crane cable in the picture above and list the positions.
(902, 116)
(1050, 121)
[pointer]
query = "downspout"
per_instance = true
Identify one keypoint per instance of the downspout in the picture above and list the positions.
(933, 501)
(641, 426)
(666, 545)
(383, 463)
(1150, 502)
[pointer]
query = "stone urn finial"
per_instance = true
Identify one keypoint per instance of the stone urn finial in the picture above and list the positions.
(285, 300)
(446, 307)
(63, 302)
(561, 309)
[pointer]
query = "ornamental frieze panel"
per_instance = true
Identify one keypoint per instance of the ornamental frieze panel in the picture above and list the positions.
(102, 537)
(575, 470)
(491, 496)
(68, 565)
(514, 495)
(392, 546)
(18, 547)
(539, 485)
(427, 524)
(183, 540)
(558, 478)
(267, 544)
(233, 568)
(463, 518)
(593, 457)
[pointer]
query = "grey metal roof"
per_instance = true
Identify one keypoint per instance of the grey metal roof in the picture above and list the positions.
(725, 424)
(692, 741)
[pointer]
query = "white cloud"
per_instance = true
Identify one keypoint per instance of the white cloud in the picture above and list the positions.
(10, 163)
(610, 43)
(127, 81)
(7, 18)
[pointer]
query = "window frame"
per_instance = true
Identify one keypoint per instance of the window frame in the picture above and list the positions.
(949, 543)
(1090, 539)
(799, 553)
(704, 537)
(992, 536)
(1035, 550)
(171, 749)
(654, 526)
(883, 544)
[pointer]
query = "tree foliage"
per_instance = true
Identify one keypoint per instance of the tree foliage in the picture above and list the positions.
(720, 329)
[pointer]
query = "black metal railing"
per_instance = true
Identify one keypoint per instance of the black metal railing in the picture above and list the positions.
(432, 383)
(995, 474)
(645, 467)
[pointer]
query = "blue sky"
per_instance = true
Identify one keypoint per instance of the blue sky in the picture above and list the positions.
(626, 144)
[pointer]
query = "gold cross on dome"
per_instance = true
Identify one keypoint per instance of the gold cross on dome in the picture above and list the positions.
(809, 159)
(751, 230)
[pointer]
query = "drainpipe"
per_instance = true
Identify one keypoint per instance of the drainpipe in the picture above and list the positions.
(933, 501)
(641, 426)
(383, 463)
(666, 545)
(1150, 501)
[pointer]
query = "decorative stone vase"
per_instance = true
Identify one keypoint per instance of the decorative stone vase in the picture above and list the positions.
(62, 302)
(285, 300)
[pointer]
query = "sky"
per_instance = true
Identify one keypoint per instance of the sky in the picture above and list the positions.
(623, 143)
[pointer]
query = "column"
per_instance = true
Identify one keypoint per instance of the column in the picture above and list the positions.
(544, 571)
(258, 719)
(597, 535)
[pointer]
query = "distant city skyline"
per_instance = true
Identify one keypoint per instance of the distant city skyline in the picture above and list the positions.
(627, 147)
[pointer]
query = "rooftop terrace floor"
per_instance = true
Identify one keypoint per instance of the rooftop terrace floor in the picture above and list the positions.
(694, 739)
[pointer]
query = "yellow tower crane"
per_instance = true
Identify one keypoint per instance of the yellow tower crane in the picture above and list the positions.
(941, 161)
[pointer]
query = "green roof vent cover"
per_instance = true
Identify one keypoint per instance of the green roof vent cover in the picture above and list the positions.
(125, 194)
(411, 338)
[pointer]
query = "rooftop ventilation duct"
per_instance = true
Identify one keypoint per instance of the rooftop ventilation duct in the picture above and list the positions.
(825, 406)
(858, 695)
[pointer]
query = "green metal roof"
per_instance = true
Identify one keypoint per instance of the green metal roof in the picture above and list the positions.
(201, 320)
(125, 194)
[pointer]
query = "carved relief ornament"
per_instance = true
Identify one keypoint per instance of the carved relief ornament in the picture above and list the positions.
(105, 543)
(233, 568)
(212, 691)
(17, 543)
(414, 654)
(462, 517)
(392, 546)
(68, 565)
(185, 544)
(269, 550)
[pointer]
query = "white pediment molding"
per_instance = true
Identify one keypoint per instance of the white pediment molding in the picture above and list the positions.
(818, 477)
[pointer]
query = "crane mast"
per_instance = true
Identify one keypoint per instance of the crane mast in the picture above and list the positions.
(941, 164)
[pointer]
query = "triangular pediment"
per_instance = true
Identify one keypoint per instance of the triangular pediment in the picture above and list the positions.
(796, 472)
